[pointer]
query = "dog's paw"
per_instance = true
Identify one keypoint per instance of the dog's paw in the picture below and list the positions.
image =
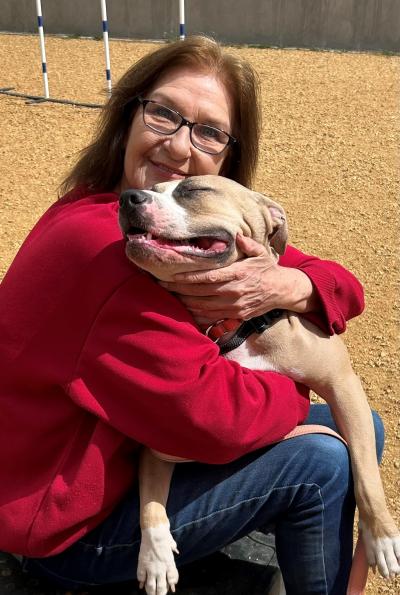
(156, 569)
(382, 552)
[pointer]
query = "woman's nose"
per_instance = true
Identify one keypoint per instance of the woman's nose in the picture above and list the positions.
(179, 144)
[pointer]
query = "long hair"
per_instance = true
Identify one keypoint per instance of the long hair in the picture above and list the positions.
(100, 165)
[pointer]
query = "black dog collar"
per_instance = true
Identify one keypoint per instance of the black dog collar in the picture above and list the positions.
(258, 325)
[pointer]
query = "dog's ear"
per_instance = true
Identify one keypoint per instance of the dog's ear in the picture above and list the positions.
(278, 237)
(276, 224)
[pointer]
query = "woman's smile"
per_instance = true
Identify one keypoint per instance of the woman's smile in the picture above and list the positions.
(168, 171)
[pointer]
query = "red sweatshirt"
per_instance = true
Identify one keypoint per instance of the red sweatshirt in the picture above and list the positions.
(96, 358)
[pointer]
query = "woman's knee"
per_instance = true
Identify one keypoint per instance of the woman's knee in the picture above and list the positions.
(328, 461)
(330, 457)
(379, 434)
(321, 414)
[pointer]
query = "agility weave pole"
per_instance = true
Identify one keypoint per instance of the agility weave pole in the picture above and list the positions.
(106, 46)
(42, 48)
(181, 19)
(46, 98)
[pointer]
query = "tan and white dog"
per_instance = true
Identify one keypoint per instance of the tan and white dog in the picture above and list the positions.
(191, 225)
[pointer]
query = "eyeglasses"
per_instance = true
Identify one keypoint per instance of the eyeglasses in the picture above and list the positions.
(165, 120)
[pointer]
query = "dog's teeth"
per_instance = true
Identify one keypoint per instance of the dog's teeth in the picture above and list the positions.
(149, 236)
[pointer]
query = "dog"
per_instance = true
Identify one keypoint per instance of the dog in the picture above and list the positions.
(191, 224)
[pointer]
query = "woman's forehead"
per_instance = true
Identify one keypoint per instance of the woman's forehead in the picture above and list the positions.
(184, 88)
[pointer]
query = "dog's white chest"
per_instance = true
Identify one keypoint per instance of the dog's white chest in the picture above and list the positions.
(245, 357)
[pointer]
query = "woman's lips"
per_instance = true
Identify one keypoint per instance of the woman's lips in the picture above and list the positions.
(170, 173)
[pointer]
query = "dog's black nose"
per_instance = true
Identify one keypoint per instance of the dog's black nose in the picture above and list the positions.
(132, 198)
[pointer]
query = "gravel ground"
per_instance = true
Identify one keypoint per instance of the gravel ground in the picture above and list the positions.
(330, 155)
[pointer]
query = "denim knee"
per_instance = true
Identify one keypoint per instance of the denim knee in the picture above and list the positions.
(321, 414)
(328, 462)
(379, 434)
(332, 456)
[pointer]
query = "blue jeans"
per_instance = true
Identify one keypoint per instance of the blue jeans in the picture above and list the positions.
(300, 488)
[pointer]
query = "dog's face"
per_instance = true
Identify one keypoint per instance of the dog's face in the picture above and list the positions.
(192, 224)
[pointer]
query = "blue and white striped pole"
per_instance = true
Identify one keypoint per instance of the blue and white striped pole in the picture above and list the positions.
(42, 48)
(106, 47)
(181, 19)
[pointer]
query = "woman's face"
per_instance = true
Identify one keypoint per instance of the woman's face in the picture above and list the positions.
(150, 157)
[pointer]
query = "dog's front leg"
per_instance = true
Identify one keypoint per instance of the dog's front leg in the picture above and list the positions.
(352, 415)
(322, 363)
(335, 381)
(156, 570)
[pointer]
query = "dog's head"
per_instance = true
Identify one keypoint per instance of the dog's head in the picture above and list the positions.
(192, 224)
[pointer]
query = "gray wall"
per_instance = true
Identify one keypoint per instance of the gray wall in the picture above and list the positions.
(334, 24)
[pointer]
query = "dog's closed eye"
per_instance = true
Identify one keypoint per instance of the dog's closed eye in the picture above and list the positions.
(190, 191)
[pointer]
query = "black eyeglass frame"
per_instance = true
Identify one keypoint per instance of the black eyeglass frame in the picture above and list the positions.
(184, 122)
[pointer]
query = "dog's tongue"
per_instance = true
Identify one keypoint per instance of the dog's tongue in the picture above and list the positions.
(211, 244)
(205, 243)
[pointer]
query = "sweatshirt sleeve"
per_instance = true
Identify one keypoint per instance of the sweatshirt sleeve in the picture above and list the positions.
(341, 295)
(148, 372)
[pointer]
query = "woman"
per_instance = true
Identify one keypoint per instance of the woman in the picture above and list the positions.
(100, 359)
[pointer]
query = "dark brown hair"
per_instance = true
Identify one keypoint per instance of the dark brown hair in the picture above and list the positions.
(100, 165)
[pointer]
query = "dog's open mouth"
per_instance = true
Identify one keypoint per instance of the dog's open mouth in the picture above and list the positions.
(203, 245)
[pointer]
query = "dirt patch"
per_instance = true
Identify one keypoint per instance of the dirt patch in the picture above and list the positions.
(330, 155)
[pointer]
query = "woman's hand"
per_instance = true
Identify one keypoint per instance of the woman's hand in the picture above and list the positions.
(247, 288)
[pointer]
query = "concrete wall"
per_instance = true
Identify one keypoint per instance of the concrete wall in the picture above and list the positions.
(334, 24)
